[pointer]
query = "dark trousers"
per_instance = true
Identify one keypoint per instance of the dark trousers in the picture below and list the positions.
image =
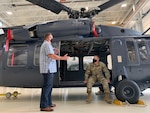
(46, 93)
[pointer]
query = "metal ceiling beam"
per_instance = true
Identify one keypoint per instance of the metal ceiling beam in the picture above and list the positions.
(137, 9)
(5, 22)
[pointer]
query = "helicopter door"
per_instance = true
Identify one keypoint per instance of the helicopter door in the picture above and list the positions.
(118, 58)
(15, 63)
(138, 59)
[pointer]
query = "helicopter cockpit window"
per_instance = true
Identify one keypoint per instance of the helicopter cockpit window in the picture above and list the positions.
(36, 55)
(142, 50)
(86, 61)
(17, 56)
(131, 51)
(73, 64)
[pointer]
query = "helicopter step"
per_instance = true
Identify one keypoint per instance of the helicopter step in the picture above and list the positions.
(8, 94)
(76, 84)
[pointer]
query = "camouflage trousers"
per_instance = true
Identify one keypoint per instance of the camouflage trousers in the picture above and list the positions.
(91, 81)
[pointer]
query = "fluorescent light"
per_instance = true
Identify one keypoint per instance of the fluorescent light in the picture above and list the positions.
(86, 8)
(114, 22)
(9, 12)
(124, 5)
(1, 24)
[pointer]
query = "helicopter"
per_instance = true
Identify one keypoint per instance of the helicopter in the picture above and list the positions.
(124, 51)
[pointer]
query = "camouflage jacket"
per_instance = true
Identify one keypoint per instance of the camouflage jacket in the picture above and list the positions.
(97, 70)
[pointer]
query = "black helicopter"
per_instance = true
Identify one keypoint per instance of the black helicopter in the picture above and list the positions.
(126, 49)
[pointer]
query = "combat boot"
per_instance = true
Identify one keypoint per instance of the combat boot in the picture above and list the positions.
(89, 98)
(107, 98)
(99, 92)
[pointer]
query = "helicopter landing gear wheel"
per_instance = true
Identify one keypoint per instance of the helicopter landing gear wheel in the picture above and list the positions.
(127, 90)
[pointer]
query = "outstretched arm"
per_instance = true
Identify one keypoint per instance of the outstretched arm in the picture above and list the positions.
(57, 57)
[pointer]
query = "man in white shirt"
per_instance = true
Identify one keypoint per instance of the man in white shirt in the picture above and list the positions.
(47, 68)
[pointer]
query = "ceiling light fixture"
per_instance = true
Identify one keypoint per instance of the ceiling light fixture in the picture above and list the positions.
(87, 8)
(124, 5)
(114, 22)
(9, 12)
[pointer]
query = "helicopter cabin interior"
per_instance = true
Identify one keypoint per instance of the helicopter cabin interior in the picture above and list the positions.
(81, 53)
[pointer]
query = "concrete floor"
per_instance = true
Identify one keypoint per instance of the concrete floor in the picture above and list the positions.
(67, 100)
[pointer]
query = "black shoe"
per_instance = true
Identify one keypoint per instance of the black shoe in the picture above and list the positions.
(47, 109)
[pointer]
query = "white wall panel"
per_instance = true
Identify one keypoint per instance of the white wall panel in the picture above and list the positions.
(146, 19)
(141, 21)
(146, 22)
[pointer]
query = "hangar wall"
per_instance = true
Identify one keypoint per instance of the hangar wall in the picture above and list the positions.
(141, 21)
(146, 23)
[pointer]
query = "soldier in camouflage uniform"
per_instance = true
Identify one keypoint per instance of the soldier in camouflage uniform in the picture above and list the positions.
(94, 72)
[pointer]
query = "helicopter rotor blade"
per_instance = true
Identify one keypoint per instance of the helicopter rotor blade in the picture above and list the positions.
(109, 4)
(51, 5)
(57, 7)
(102, 7)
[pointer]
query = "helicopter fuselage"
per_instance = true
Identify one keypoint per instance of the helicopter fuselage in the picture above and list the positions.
(124, 51)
